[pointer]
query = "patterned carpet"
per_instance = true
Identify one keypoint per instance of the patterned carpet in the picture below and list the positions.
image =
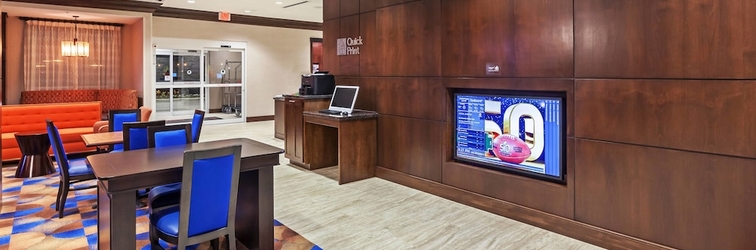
(28, 219)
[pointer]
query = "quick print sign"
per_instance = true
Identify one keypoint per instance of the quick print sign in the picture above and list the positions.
(348, 46)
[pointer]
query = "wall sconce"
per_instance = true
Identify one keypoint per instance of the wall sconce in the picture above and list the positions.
(74, 48)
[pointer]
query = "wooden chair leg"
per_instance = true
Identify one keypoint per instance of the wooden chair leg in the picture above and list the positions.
(62, 203)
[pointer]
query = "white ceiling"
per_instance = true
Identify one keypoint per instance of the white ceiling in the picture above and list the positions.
(15, 9)
(311, 11)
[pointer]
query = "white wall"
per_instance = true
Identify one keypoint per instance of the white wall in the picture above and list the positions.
(276, 57)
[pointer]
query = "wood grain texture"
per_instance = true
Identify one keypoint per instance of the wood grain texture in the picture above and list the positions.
(384, 3)
(408, 39)
(357, 161)
(321, 146)
(523, 84)
(543, 38)
(316, 51)
(366, 95)
(349, 65)
(477, 32)
(331, 32)
(369, 56)
(411, 146)
(349, 7)
(331, 9)
(557, 224)
(421, 98)
(665, 39)
(367, 6)
(681, 199)
(703, 116)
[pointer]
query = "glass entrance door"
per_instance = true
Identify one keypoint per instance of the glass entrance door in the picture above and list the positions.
(209, 79)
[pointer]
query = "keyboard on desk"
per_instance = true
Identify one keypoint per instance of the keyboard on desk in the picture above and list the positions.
(329, 112)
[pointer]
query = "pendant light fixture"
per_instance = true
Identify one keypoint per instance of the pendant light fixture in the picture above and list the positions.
(75, 47)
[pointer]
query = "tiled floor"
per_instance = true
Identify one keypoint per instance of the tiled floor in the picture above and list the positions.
(378, 214)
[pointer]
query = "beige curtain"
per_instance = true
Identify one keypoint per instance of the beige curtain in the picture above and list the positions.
(46, 69)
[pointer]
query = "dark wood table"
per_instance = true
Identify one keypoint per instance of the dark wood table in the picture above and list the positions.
(348, 141)
(102, 139)
(35, 160)
(120, 174)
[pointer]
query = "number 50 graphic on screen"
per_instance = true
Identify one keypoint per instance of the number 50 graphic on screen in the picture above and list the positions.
(533, 126)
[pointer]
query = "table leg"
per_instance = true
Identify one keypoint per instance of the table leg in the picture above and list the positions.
(254, 209)
(116, 219)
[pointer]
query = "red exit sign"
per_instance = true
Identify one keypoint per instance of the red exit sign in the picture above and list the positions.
(224, 16)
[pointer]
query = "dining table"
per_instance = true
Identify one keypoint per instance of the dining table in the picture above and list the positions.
(120, 174)
(102, 139)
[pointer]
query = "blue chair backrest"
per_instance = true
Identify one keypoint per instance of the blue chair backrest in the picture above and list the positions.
(60, 153)
(135, 134)
(118, 120)
(196, 125)
(197, 120)
(211, 178)
(170, 138)
(210, 198)
(137, 138)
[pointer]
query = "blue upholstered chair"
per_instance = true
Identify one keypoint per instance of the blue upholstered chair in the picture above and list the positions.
(197, 119)
(135, 134)
(207, 210)
(116, 119)
(164, 196)
(71, 172)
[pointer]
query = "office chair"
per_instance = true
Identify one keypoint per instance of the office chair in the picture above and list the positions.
(71, 172)
(207, 210)
(197, 119)
(164, 196)
(116, 119)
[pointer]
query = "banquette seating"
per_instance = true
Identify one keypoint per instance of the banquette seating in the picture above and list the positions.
(72, 120)
(109, 98)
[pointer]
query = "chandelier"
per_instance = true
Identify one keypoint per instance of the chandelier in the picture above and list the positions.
(74, 48)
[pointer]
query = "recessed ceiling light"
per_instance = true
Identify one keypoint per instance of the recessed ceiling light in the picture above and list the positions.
(247, 11)
(279, 2)
(190, 1)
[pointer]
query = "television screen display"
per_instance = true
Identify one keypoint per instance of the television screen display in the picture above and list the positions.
(512, 132)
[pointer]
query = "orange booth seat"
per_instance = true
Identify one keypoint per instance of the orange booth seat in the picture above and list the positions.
(72, 119)
(109, 98)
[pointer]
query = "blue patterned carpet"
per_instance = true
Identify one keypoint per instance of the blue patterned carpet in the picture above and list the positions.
(28, 219)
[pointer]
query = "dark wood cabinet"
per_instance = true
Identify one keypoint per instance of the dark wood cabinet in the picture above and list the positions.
(294, 124)
(278, 118)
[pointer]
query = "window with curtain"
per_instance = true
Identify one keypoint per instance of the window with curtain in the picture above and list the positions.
(46, 69)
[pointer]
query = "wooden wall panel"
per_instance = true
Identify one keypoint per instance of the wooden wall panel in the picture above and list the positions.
(331, 32)
(411, 146)
(549, 197)
(665, 39)
(367, 6)
(384, 3)
(680, 199)
(408, 39)
(705, 116)
(543, 37)
(421, 98)
(331, 9)
(368, 53)
(349, 65)
(366, 95)
(524, 84)
(350, 7)
(477, 32)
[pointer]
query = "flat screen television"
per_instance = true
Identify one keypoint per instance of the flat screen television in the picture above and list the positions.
(511, 131)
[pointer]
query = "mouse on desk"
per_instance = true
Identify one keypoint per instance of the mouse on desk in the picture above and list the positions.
(344, 113)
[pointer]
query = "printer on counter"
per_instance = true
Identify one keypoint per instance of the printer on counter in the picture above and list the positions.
(320, 83)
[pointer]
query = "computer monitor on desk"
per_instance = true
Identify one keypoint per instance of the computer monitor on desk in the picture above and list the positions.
(343, 100)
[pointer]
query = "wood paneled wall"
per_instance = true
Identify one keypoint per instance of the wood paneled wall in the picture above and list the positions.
(659, 113)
